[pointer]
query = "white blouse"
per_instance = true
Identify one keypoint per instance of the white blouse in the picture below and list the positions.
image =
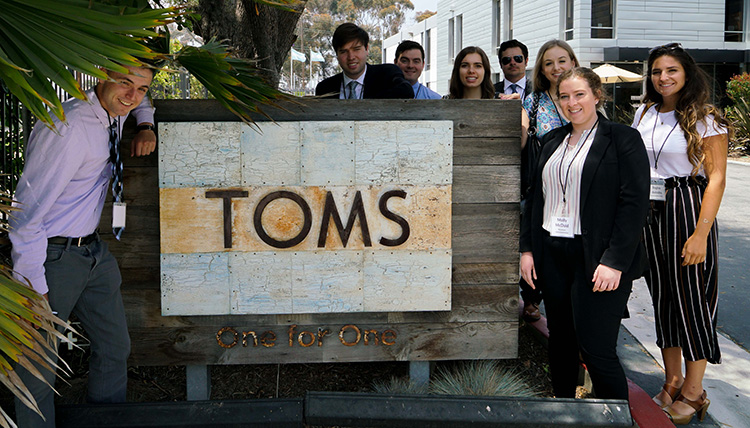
(666, 144)
(561, 181)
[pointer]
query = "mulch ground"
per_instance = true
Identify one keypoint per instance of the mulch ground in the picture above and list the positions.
(233, 382)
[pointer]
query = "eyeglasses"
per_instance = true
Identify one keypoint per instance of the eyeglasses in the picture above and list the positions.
(669, 47)
(506, 59)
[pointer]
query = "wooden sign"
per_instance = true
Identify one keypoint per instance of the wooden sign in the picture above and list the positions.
(305, 217)
(483, 318)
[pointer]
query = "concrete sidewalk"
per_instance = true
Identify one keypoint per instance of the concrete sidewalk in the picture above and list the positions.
(727, 384)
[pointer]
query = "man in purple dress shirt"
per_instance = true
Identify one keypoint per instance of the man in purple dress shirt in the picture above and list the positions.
(56, 246)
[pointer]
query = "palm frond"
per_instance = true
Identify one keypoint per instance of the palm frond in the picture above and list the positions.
(76, 37)
(234, 82)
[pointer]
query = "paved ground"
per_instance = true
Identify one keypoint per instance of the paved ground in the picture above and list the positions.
(734, 254)
(727, 384)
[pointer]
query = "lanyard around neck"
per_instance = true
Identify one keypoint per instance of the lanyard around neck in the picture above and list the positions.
(564, 184)
(653, 149)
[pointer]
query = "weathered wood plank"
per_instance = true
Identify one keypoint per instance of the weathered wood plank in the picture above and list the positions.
(485, 273)
(486, 151)
(485, 233)
(494, 302)
(422, 342)
(486, 183)
(472, 118)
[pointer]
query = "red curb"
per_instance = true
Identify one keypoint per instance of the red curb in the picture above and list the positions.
(644, 411)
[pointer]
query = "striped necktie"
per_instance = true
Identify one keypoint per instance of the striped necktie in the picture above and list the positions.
(114, 158)
(352, 90)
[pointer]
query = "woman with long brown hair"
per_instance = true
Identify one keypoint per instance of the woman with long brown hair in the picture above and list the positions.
(686, 139)
(471, 77)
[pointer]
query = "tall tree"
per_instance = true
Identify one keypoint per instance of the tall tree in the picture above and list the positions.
(257, 31)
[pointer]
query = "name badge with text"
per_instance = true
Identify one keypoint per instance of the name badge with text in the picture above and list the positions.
(118, 214)
(658, 190)
(562, 227)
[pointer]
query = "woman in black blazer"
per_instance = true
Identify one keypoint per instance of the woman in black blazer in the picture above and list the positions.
(580, 235)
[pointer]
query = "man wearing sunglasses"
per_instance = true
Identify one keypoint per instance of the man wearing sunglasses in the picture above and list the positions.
(513, 56)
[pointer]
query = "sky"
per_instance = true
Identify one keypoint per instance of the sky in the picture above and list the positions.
(420, 6)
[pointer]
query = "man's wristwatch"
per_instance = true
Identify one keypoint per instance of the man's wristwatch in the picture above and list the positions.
(146, 126)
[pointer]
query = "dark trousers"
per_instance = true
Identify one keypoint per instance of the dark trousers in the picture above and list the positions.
(84, 281)
(581, 321)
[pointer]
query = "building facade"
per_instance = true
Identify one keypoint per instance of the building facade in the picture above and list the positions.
(619, 32)
(426, 34)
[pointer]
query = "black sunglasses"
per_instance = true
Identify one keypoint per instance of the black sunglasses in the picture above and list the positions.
(506, 59)
(669, 47)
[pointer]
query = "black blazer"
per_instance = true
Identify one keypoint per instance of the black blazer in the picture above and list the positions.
(614, 200)
(500, 88)
(381, 81)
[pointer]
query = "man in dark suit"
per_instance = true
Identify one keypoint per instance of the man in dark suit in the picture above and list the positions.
(513, 56)
(359, 79)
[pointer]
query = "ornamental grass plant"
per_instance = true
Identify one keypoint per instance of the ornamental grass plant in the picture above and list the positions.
(474, 378)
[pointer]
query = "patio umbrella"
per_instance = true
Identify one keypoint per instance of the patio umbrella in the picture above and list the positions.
(611, 74)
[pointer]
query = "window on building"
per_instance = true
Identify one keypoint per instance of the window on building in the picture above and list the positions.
(568, 19)
(602, 22)
(452, 38)
(733, 21)
(427, 48)
(459, 32)
(497, 35)
(509, 18)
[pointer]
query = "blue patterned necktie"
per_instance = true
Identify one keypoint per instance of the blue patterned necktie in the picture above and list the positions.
(352, 90)
(114, 158)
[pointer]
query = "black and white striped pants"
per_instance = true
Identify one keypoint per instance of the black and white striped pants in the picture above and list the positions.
(685, 297)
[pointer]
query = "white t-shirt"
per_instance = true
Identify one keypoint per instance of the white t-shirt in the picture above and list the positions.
(668, 143)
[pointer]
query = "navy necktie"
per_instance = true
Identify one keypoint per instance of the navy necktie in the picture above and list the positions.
(114, 158)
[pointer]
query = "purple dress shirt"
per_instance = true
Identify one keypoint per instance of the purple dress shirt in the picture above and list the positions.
(64, 183)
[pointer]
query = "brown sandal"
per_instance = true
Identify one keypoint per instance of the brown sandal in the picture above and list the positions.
(672, 391)
(700, 406)
(531, 312)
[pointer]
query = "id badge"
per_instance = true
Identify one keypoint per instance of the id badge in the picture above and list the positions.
(118, 214)
(562, 227)
(658, 190)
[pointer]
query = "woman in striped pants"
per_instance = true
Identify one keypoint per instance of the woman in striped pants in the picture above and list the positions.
(686, 139)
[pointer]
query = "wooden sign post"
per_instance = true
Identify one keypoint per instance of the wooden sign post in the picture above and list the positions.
(233, 253)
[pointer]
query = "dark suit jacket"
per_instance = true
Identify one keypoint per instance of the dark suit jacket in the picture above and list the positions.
(500, 88)
(614, 200)
(381, 81)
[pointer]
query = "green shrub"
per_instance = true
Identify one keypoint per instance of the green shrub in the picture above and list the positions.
(738, 87)
(739, 115)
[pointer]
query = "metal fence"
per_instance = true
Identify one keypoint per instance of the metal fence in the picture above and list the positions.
(15, 125)
(16, 122)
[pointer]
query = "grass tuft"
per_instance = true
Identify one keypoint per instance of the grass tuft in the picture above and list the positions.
(399, 385)
(483, 378)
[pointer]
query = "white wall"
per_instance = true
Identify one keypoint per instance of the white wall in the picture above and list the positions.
(477, 31)
(417, 33)
(697, 24)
